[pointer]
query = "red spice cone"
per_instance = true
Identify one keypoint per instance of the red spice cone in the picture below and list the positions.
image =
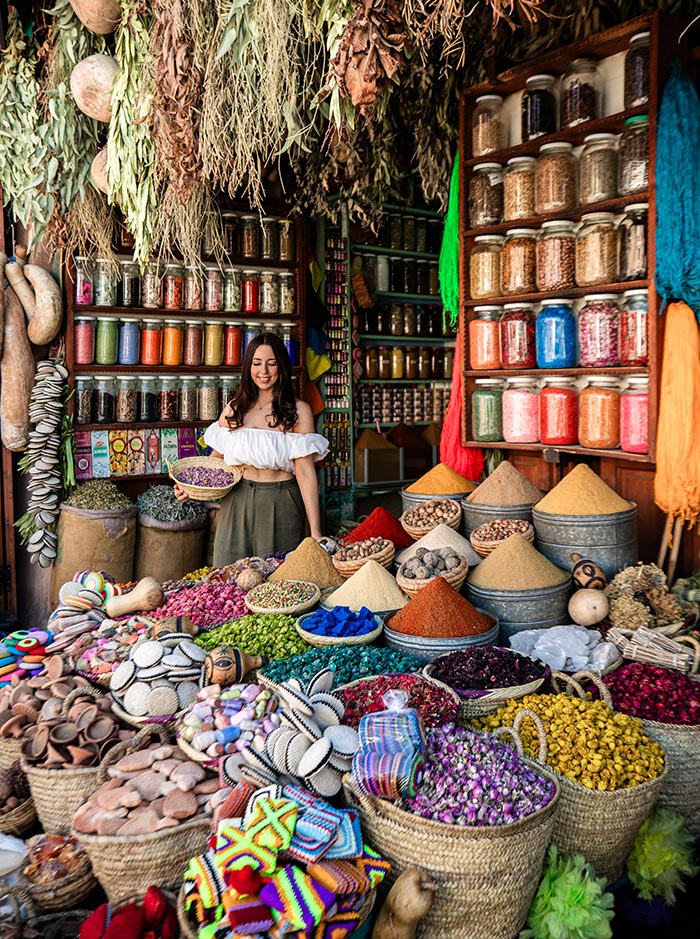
(467, 461)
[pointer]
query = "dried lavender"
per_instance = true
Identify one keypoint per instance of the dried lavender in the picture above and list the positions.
(98, 494)
(205, 476)
(159, 502)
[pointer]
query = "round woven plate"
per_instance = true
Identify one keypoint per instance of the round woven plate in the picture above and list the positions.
(141, 721)
(292, 610)
(318, 641)
(416, 531)
(204, 493)
(485, 547)
(455, 578)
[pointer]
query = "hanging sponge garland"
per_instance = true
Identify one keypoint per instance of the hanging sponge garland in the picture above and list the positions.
(662, 855)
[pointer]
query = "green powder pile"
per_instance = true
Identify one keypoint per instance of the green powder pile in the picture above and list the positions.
(516, 565)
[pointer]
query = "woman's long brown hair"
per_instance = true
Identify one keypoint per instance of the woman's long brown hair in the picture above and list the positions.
(284, 401)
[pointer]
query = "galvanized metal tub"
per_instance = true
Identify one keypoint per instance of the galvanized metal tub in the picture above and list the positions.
(477, 513)
(517, 610)
(610, 540)
(409, 500)
(428, 648)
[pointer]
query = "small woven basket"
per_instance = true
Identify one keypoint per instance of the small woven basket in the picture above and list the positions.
(291, 610)
(21, 898)
(453, 519)
(384, 557)
(314, 639)
(10, 751)
(455, 578)
(65, 893)
(449, 692)
(484, 546)
(204, 493)
(19, 819)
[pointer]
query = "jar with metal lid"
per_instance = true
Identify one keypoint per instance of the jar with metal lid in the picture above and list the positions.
(151, 342)
(580, 93)
(250, 292)
(167, 398)
(599, 414)
(396, 319)
(173, 287)
(409, 320)
(437, 363)
(519, 189)
(395, 231)
(193, 343)
(448, 361)
(409, 276)
(434, 235)
(371, 362)
(518, 262)
(411, 362)
(129, 346)
(422, 320)
(383, 362)
(488, 125)
(487, 410)
(634, 328)
(231, 232)
(227, 389)
(106, 341)
(485, 267)
(84, 340)
(103, 399)
(172, 342)
(555, 328)
(286, 238)
(291, 344)
(269, 292)
(193, 289)
(396, 274)
(232, 290)
(397, 362)
(187, 398)
(599, 331)
(269, 239)
(421, 235)
(104, 283)
(634, 156)
(423, 362)
(383, 277)
(250, 331)
(126, 410)
(485, 338)
(368, 321)
(556, 255)
(486, 195)
(559, 412)
(250, 237)
(538, 107)
(82, 291)
(555, 178)
(597, 169)
(233, 344)
(408, 233)
(422, 278)
(213, 290)
(637, 72)
(521, 410)
(596, 250)
(147, 399)
(518, 343)
(287, 295)
(130, 284)
(213, 342)
(208, 398)
(633, 242)
(152, 287)
(433, 279)
(634, 415)
(82, 410)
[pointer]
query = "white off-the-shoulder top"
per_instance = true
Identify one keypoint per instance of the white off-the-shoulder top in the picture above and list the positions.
(264, 449)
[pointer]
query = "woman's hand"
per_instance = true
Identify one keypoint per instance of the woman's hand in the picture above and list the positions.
(180, 495)
(226, 413)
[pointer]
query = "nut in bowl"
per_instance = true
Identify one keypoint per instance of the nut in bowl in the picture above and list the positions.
(204, 477)
(422, 518)
(349, 559)
(487, 537)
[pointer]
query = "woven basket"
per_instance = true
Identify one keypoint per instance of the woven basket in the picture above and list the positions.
(681, 788)
(203, 493)
(21, 898)
(314, 639)
(10, 751)
(19, 819)
(291, 610)
(485, 877)
(384, 557)
(65, 893)
(453, 520)
(455, 578)
(164, 720)
(450, 692)
(485, 547)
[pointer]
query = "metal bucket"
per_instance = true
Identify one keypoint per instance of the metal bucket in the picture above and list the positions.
(522, 609)
(428, 649)
(409, 500)
(609, 540)
(477, 513)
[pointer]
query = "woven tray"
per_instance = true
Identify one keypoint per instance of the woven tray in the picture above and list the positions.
(485, 547)
(203, 493)
(453, 520)
(19, 819)
(384, 557)
(455, 578)
(291, 610)
(319, 641)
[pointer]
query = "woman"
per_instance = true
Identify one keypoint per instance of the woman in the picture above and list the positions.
(268, 432)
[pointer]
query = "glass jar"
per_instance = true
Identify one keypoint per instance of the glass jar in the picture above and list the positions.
(396, 275)
(227, 389)
(106, 340)
(82, 291)
(433, 279)
(634, 328)
(287, 295)
(597, 169)
(486, 195)
(397, 362)
(596, 250)
(105, 284)
(103, 399)
(129, 347)
(555, 179)
(167, 399)
(213, 343)
(421, 235)
(485, 267)
(559, 412)
(151, 287)
(411, 362)
(193, 343)
(151, 342)
(250, 331)
(395, 231)
(423, 362)
(233, 344)
(634, 415)
(580, 93)
(383, 362)
(485, 338)
(556, 256)
(383, 280)
(82, 410)
(126, 410)
(130, 284)
(208, 398)
(448, 361)
(371, 369)
(269, 242)
(518, 262)
(422, 278)
(633, 242)
(250, 292)
(409, 320)
(599, 414)
(521, 410)
(232, 234)
(599, 331)
(269, 292)
(408, 233)
(193, 289)
(488, 125)
(291, 344)
(637, 73)
(250, 237)
(287, 245)
(187, 399)
(519, 189)
(437, 363)
(172, 287)
(634, 156)
(409, 276)
(538, 107)
(396, 319)
(83, 340)
(436, 321)
(555, 327)
(213, 290)
(422, 320)
(172, 342)
(232, 290)
(487, 410)
(518, 344)
(147, 400)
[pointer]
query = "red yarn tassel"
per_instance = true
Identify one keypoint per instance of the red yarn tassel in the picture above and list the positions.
(467, 461)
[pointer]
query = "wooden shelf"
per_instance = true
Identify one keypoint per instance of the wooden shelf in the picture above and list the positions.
(582, 451)
(401, 381)
(364, 424)
(431, 299)
(393, 252)
(180, 371)
(409, 210)
(567, 293)
(160, 313)
(144, 425)
(409, 340)
(555, 372)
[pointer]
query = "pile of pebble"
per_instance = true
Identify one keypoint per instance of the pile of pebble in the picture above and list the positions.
(23, 651)
(223, 721)
(347, 662)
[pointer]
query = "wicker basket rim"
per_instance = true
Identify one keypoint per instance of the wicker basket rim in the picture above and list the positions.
(143, 721)
(24, 813)
(388, 549)
(203, 492)
(612, 793)
(454, 514)
(529, 532)
(676, 728)
(462, 567)
(290, 610)
(435, 681)
(489, 695)
(366, 638)
(154, 836)
(44, 771)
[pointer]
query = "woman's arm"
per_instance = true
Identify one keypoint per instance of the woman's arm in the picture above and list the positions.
(305, 472)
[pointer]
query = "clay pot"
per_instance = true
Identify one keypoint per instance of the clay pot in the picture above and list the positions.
(31, 713)
(83, 713)
(83, 756)
(99, 730)
(51, 709)
(36, 743)
(56, 756)
(13, 727)
(64, 733)
(587, 574)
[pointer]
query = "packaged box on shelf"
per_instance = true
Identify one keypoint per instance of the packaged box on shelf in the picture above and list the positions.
(376, 459)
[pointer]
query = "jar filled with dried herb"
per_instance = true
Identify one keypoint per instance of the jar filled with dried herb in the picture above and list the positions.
(488, 125)
(487, 410)
(580, 93)
(634, 328)
(519, 189)
(518, 262)
(147, 399)
(633, 242)
(637, 71)
(555, 178)
(599, 331)
(596, 250)
(634, 155)
(485, 267)
(559, 412)
(187, 398)
(83, 399)
(538, 109)
(167, 398)
(151, 287)
(287, 246)
(518, 342)
(250, 237)
(173, 287)
(556, 255)
(598, 169)
(486, 195)
(126, 399)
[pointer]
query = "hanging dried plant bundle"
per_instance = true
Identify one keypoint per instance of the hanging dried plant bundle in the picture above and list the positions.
(91, 227)
(187, 225)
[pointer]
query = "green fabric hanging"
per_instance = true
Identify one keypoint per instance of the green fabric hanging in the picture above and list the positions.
(449, 251)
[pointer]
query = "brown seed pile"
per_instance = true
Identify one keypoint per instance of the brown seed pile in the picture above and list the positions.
(363, 549)
(516, 565)
(430, 514)
(500, 529)
(310, 563)
(505, 486)
(582, 492)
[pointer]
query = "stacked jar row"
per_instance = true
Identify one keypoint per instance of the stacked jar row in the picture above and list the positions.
(106, 340)
(580, 100)
(129, 399)
(255, 238)
(384, 404)
(405, 232)
(599, 417)
(601, 249)
(176, 288)
(389, 274)
(607, 331)
(402, 319)
(406, 362)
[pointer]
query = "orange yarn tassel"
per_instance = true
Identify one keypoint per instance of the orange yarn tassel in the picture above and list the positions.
(467, 461)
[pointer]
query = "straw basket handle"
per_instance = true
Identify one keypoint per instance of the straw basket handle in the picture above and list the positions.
(131, 746)
(514, 733)
(19, 897)
(695, 645)
(86, 691)
(351, 787)
(573, 685)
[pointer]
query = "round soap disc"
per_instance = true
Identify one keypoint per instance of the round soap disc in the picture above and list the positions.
(322, 681)
(162, 701)
(325, 782)
(230, 769)
(122, 676)
(135, 699)
(192, 651)
(150, 674)
(91, 595)
(147, 653)
(175, 660)
(279, 746)
(345, 740)
(294, 750)
(315, 757)
(340, 763)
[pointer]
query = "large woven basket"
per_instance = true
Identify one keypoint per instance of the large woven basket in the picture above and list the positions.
(384, 557)
(10, 751)
(19, 819)
(65, 893)
(204, 493)
(484, 546)
(453, 520)
(455, 578)
(681, 787)
(318, 641)
(449, 692)
(23, 902)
